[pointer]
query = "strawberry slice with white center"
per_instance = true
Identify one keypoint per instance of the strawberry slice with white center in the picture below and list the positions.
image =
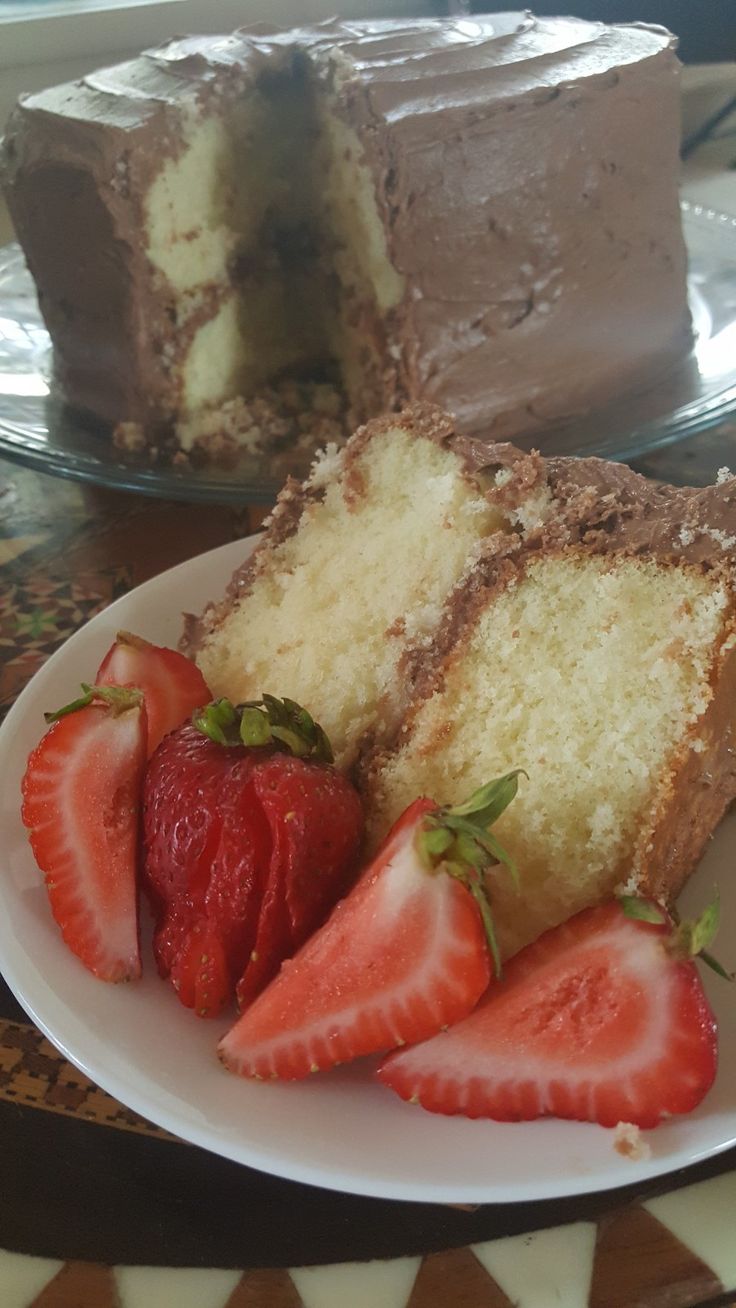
(603, 1019)
(402, 956)
(173, 687)
(81, 803)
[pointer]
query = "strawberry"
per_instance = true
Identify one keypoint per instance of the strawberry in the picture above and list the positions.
(250, 836)
(603, 1019)
(173, 687)
(81, 803)
(402, 956)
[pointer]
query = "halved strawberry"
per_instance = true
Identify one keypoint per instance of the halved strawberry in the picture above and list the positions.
(81, 803)
(402, 956)
(173, 687)
(603, 1019)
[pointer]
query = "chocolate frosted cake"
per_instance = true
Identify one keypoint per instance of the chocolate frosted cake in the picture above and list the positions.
(481, 212)
(451, 609)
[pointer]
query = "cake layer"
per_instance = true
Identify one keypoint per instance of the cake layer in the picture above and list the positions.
(354, 569)
(462, 210)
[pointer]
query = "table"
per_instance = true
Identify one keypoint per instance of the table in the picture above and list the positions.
(99, 1209)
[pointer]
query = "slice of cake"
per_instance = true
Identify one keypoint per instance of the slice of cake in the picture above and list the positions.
(451, 610)
(461, 210)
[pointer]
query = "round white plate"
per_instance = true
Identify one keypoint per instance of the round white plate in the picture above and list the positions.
(340, 1130)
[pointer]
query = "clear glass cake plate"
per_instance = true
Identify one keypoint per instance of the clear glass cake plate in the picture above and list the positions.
(38, 430)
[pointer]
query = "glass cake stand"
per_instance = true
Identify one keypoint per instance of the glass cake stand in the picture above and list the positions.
(38, 430)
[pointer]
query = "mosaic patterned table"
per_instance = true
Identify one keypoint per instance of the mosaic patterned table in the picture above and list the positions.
(100, 1209)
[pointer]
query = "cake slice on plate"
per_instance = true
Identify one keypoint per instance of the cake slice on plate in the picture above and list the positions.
(450, 610)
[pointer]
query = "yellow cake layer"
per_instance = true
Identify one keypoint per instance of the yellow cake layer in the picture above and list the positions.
(591, 673)
(334, 607)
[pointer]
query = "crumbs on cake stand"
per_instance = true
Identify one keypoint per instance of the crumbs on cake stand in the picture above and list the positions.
(290, 416)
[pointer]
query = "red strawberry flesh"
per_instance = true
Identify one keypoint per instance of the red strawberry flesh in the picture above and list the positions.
(314, 821)
(400, 957)
(81, 803)
(173, 687)
(595, 1022)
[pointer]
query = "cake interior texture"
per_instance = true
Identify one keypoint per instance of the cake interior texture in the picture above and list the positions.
(331, 608)
(590, 675)
(266, 229)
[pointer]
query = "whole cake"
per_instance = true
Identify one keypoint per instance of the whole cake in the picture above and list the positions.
(451, 609)
(479, 212)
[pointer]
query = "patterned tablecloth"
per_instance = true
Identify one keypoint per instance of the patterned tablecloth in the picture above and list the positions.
(99, 1209)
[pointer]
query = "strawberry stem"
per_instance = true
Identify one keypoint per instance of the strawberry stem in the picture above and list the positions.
(455, 839)
(267, 721)
(687, 939)
(117, 698)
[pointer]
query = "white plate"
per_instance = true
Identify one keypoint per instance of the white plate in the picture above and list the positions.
(340, 1130)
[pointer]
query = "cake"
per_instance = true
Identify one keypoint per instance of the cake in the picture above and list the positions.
(481, 213)
(497, 610)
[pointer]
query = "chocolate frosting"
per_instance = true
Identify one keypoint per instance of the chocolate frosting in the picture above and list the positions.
(608, 505)
(535, 224)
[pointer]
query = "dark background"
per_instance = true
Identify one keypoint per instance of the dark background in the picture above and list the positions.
(706, 28)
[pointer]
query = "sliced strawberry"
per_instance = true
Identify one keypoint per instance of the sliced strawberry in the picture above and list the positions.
(81, 803)
(244, 845)
(206, 848)
(173, 687)
(404, 955)
(598, 1021)
(200, 973)
(315, 822)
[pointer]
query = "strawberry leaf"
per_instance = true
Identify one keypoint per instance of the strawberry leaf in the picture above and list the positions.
(691, 939)
(280, 723)
(688, 939)
(434, 843)
(215, 721)
(254, 727)
(703, 929)
(455, 839)
(715, 966)
(487, 804)
(642, 910)
(296, 744)
(117, 698)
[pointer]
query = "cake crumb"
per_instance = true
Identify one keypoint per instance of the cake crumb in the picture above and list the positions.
(327, 464)
(631, 886)
(719, 537)
(627, 1141)
(129, 436)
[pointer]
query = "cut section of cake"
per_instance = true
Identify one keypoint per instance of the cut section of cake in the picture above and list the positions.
(353, 571)
(451, 610)
(458, 210)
